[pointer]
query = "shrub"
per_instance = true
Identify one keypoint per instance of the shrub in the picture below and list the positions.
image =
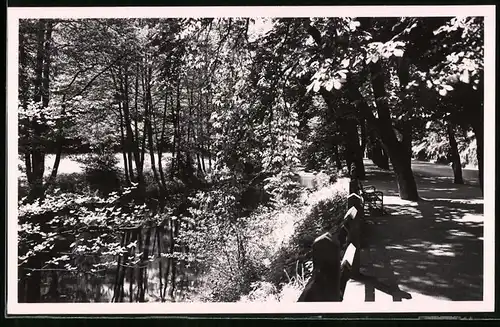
(327, 207)
(72, 183)
(261, 291)
(289, 292)
(262, 256)
(284, 187)
(101, 172)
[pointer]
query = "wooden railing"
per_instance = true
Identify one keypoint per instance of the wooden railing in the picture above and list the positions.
(336, 254)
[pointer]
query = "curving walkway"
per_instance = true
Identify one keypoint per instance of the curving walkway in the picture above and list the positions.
(427, 250)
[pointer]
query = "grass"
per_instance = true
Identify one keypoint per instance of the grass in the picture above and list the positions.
(289, 243)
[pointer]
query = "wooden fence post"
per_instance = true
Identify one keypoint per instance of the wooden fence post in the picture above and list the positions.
(354, 200)
(324, 284)
(354, 186)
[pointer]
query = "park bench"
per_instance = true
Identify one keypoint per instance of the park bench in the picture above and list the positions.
(373, 200)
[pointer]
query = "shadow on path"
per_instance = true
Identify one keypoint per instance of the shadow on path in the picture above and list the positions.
(433, 247)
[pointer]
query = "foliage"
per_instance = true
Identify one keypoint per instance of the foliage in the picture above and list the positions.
(101, 172)
(434, 146)
(326, 207)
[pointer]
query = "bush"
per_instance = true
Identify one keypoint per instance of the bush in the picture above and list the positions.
(324, 178)
(289, 292)
(327, 206)
(72, 183)
(284, 187)
(266, 254)
(101, 172)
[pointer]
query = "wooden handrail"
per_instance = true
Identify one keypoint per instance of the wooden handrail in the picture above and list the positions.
(331, 271)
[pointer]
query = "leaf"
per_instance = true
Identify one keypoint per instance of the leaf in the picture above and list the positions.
(443, 92)
(386, 54)
(448, 87)
(329, 85)
(375, 59)
(429, 84)
(353, 25)
(465, 78)
(309, 87)
(345, 63)
(398, 52)
(336, 84)
(342, 74)
(316, 86)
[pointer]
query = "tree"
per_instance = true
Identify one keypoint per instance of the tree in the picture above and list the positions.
(354, 59)
(447, 55)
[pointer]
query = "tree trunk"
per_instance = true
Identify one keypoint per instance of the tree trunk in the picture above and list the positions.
(478, 128)
(160, 142)
(129, 137)
(454, 155)
(149, 128)
(126, 162)
(176, 141)
(383, 159)
(399, 152)
(173, 264)
(404, 175)
(353, 151)
(138, 156)
(376, 152)
(348, 125)
(362, 124)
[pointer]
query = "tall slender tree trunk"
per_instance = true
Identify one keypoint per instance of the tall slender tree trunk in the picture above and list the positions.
(454, 155)
(376, 152)
(353, 148)
(148, 126)
(173, 260)
(363, 134)
(160, 143)
(129, 137)
(138, 155)
(477, 123)
(126, 162)
(176, 141)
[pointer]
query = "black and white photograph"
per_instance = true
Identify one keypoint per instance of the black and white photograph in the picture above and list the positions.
(251, 159)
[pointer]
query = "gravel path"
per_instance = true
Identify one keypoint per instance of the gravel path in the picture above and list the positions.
(427, 250)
